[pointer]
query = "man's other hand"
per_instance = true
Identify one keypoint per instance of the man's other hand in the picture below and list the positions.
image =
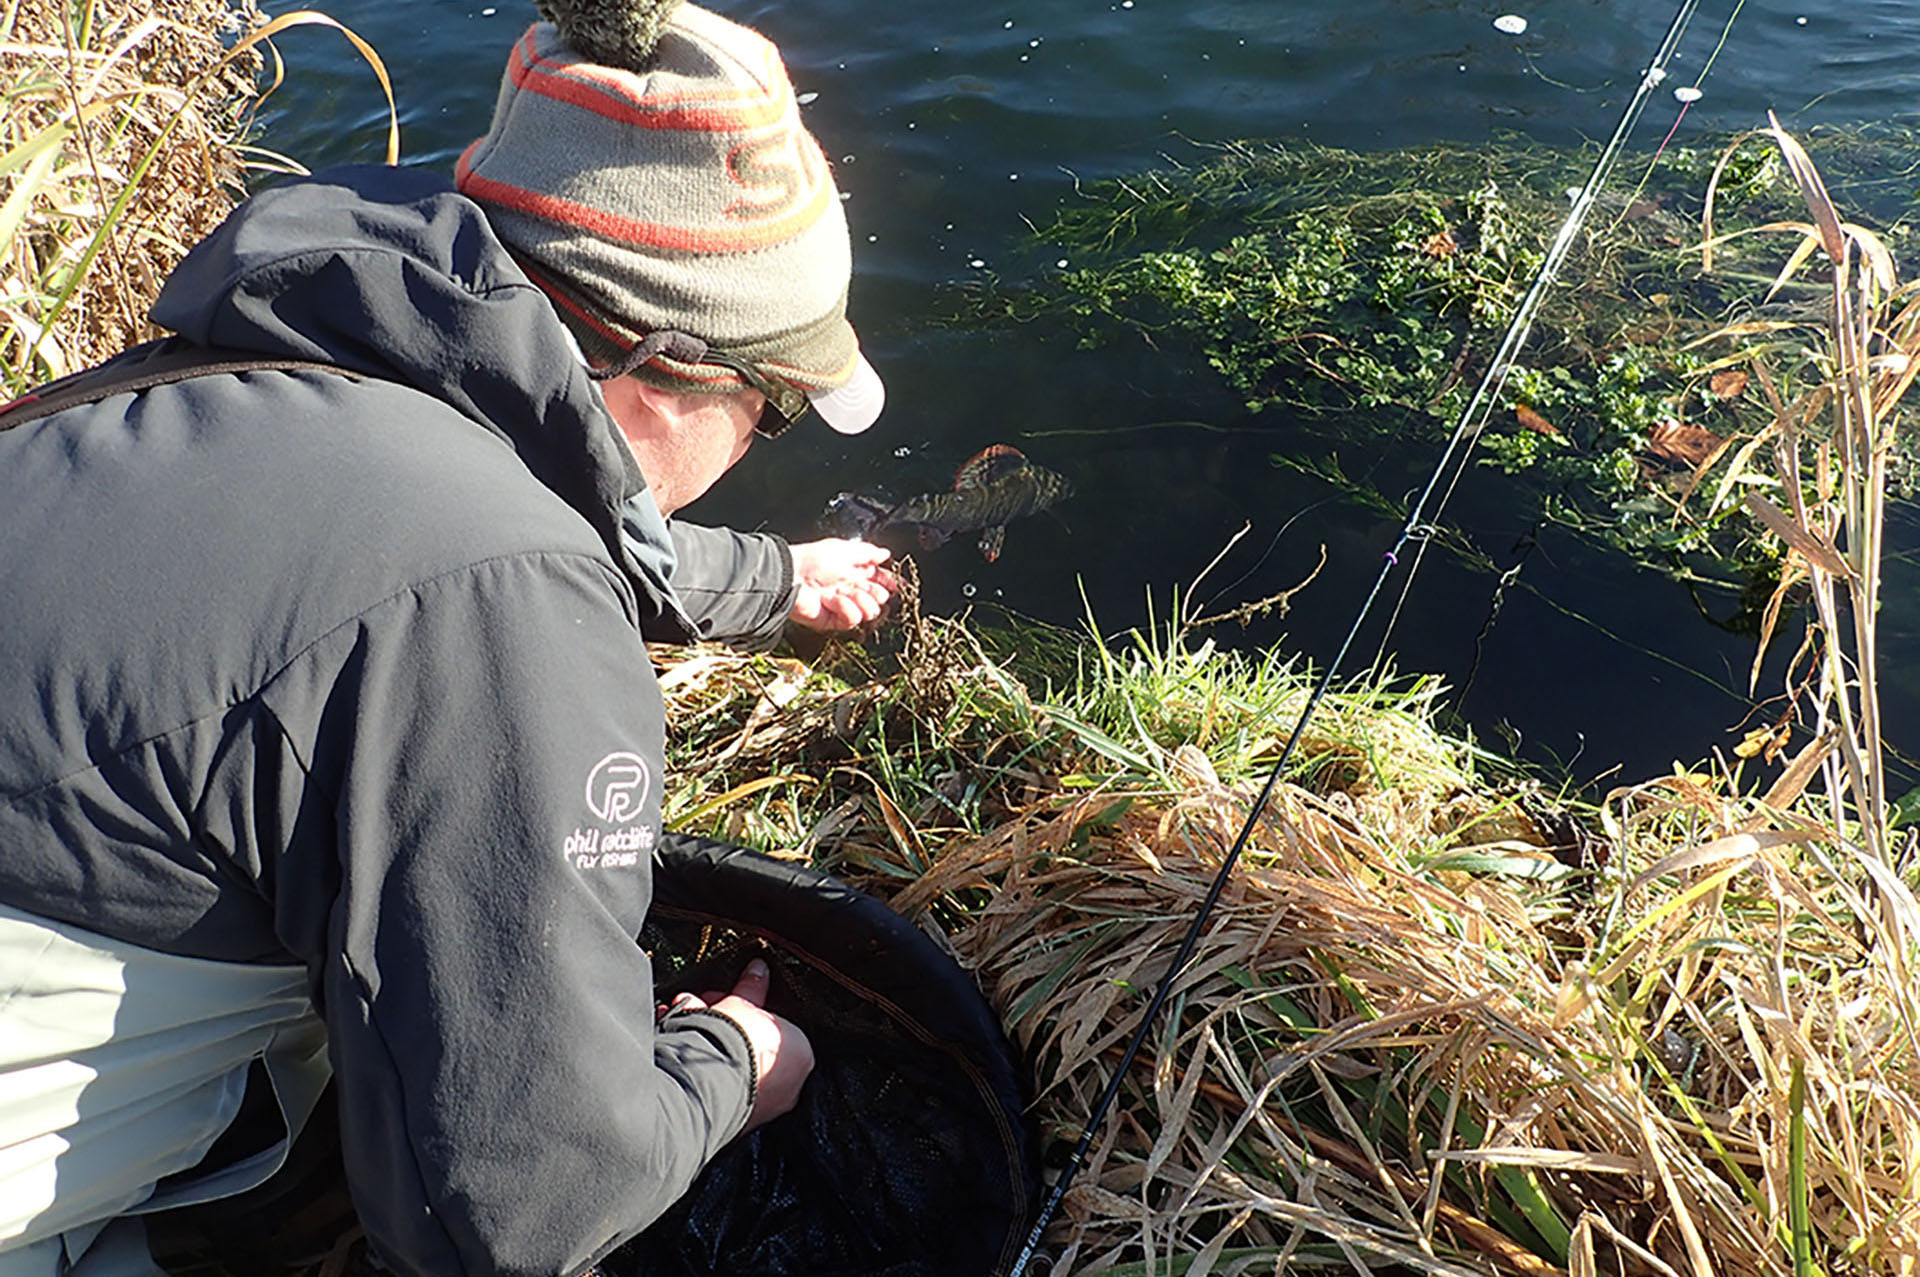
(842, 584)
(782, 1056)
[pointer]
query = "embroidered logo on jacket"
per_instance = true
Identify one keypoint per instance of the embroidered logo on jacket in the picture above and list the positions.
(617, 790)
(617, 787)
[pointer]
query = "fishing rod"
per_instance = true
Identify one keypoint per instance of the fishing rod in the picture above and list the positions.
(1687, 96)
(1466, 431)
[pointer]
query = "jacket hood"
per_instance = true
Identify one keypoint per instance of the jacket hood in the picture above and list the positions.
(393, 274)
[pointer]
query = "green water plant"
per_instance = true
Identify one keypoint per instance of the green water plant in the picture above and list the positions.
(1353, 298)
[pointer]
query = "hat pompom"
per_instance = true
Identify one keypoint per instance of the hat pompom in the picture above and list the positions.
(617, 33)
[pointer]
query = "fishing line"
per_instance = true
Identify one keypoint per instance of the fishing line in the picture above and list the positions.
(1692, 95)
(1272, 542)
(1526, 545)
(1460, 444)
(1459, 447)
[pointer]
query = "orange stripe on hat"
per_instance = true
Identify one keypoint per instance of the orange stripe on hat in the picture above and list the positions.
(610, 92)
(750, 235)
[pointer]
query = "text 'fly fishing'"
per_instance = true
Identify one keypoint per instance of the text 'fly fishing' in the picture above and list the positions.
(1447, 469)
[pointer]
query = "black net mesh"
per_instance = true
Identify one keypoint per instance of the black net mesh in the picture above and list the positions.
(908, 1155)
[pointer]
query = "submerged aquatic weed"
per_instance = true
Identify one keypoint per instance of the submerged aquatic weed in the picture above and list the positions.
(1358, 293)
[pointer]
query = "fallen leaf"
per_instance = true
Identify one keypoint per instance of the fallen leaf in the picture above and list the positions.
(1534, 421)
(1683, 444)
(1813, 547)
(1440, 244)
(1754, 741)
(1729, 383)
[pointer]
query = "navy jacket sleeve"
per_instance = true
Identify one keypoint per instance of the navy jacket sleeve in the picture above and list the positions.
(487, 747)
(737, 586)
(727, 586)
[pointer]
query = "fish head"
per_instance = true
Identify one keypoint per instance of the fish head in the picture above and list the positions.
(850, 514)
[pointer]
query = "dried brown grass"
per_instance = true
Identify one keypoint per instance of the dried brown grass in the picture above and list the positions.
(1397, 1047)
(1350, 1027)
(120, 151)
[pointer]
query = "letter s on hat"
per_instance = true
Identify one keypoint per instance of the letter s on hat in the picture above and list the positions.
(777, 171)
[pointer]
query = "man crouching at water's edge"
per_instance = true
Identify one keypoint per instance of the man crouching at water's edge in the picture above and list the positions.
(367, 790)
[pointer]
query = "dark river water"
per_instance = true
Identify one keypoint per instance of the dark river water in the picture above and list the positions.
(955, 126)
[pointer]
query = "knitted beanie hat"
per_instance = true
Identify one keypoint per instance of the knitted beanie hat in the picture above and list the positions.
(648, 169)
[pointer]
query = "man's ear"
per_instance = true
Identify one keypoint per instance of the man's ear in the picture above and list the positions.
(644, 412)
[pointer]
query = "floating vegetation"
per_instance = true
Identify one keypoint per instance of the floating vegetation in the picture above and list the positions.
(1358, 295)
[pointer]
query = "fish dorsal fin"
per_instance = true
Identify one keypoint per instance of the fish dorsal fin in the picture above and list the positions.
(988, 464)
(990, 542)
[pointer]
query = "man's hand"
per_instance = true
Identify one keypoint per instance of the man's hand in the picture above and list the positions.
(782, 1056)
(843, 584)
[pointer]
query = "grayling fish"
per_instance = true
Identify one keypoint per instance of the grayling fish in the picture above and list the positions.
(994, 487)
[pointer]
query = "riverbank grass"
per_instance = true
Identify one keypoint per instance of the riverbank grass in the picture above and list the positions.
(1444, 1019)
(125, 140)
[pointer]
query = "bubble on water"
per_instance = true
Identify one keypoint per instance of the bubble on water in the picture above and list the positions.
(1463, 68)
(1799, 22)
(1687, 93)
(1062, 263)
(911, 124)
(1023, 57)
(1126, 4)
(488, 13)
(999, 593)
(1510, 24)
(1033, 43)
(806, 98)
(845, 196)
(1013, 177)
(873, 239)
(846, 159)
(976, 262)
(1009, 24)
